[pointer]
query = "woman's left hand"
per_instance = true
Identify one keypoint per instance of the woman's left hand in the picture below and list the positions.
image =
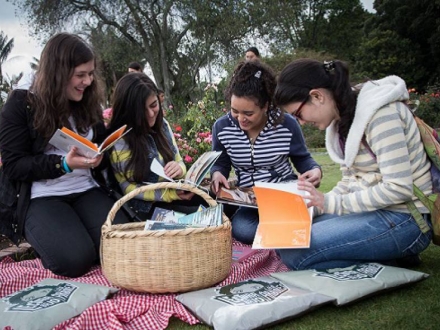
(313, 176)
(315, 198)
(173, 169)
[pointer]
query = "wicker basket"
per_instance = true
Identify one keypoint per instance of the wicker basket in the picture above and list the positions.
(162, 261)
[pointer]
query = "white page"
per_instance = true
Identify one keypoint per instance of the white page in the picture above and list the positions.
(157, 168)
(291, 187)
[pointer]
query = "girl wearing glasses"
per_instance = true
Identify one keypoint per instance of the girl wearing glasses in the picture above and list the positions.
(258, 141)
(372, 134)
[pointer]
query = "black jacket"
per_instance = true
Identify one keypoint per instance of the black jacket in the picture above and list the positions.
(23, 158)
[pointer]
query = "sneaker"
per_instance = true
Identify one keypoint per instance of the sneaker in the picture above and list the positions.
(409, 261)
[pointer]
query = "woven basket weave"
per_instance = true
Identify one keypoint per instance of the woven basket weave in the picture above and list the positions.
(162, 261)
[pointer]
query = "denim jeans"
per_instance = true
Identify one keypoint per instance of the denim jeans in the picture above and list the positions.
(244, 224)
(341, 241)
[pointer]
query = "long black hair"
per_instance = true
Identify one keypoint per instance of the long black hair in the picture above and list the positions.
(299, 77)
(129, 102)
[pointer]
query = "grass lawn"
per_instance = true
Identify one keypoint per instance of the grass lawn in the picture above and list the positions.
(413, 307)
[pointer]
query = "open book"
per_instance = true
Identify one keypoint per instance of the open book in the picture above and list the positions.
(240, 253)
(204, 217)
(284, 220)
(196, 172)
(237, 196)
(65, 138)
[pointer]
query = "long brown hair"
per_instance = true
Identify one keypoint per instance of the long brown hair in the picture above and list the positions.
(61, 55)
(129, 99)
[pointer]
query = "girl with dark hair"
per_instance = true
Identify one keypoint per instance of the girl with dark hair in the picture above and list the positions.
(252, 54)
(258, 141)
(136, 104)
(60, 207)
(372, 134)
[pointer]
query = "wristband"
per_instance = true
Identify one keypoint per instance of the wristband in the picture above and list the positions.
(66, 167)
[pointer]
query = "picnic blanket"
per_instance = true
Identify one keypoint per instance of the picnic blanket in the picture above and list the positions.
(128, 309)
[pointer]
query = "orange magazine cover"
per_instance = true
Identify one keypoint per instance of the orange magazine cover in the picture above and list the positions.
(284, 219)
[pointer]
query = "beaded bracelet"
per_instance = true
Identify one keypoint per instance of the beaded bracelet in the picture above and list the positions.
(66, 167)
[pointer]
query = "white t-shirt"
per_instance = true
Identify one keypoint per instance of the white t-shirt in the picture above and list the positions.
(77, 181)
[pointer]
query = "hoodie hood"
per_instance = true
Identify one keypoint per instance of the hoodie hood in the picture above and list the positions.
(372, 96)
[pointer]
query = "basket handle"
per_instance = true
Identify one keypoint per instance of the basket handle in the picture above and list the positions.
(162, 185)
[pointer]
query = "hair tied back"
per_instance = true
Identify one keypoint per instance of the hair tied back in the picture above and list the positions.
(257, 74)
(329, 66)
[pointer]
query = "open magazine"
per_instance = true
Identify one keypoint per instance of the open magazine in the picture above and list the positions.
(204, 217)
(284, 219)
(196, 172)
(65, 138)
(237, 196)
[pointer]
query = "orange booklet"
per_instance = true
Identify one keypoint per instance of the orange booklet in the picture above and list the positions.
(284, 219)
(65, 138)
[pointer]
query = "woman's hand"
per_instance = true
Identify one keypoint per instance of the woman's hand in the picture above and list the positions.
(173, 170)
(185, 195)
(313, 176)
(316, 198)
(217, 180)
(75, 160)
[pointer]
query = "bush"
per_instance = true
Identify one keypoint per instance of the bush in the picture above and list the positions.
(429, 107)
(193, 136)
(313, 136)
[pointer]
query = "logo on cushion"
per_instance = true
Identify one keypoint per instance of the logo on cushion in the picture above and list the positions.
(352, 273)
(39, 297)
(250, 292)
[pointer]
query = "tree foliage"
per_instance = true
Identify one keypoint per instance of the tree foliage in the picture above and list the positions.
(6, 46)
(403, 39)
(176, 37)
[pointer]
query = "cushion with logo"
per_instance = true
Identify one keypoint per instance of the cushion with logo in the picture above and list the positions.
(250, 304)
(49, 302)
(351, 283)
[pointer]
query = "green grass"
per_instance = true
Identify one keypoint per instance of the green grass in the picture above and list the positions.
(415, 306)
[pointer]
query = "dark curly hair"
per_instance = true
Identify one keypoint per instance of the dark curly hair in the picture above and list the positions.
(256, 81)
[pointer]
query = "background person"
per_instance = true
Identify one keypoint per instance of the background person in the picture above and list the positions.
(252, 54)
(136, 104)
(135, 67)
(60, 205)
(258, 141)
(372, 134)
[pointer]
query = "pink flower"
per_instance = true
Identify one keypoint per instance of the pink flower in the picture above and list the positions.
(107, 113)
(198, 140)
(171, 107)
(187, 159)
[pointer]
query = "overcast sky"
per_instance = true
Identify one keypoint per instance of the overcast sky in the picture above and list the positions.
(27, 47)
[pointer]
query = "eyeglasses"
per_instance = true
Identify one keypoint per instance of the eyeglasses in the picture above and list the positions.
(297, 112)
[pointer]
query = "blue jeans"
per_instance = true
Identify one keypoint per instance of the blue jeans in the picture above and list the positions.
(341, 241)
(244, 224)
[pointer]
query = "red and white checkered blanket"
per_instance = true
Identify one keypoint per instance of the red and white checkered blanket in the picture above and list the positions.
(127, 309)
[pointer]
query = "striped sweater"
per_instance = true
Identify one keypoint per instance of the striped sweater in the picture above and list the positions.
(268, 158)
(120, 156)
(381, 174)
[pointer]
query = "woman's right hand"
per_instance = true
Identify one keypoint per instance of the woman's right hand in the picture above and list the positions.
(217, 180)
(75, 160)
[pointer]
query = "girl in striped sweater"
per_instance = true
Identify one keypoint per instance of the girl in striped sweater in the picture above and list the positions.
(259, 141)
(372, 134)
